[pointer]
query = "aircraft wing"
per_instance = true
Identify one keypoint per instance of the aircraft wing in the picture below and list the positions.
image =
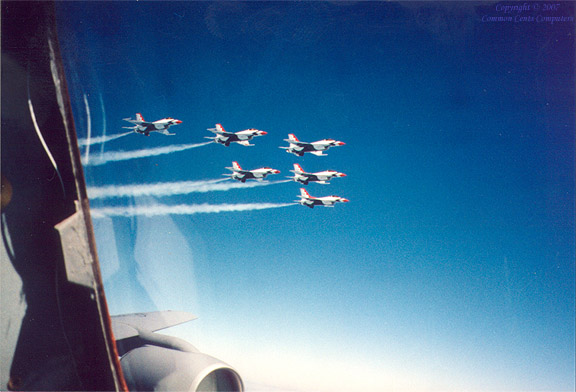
(222, 133)
(298, 143)
(245, 143)
(128, 325)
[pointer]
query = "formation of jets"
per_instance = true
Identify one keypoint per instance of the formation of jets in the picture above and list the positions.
(145, 127)
(243, 175)
(298, 148)
(244, 137)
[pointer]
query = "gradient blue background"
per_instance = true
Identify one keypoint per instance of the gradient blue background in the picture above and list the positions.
(452, 267)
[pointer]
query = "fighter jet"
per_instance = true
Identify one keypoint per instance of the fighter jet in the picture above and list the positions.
(145, 127)
(320, 177)
(299, 148)
(242, 137)
(311, 201)
(243, 175)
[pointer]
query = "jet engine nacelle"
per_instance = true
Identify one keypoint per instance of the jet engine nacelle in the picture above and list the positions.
(153, 368)
(155, 362)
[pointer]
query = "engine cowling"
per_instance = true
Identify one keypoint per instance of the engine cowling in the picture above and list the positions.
(156, 362)
(153, 368)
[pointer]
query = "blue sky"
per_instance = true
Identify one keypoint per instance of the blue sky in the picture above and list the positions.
(452, 266)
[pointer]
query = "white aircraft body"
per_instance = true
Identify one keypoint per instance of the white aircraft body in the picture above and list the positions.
(298, 148)
(242, 137)
(320, 177)
(311, 201)
(243, 175)
(145, 127)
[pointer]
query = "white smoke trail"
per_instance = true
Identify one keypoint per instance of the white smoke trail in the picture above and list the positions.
(181, 209)
(101, 139)
(172, 188)
(114, 156)
(88, 127)
(104, 127)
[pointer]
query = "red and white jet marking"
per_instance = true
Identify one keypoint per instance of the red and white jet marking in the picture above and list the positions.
(298, 148)
(145, 127)
(242, 137)
(243, 175)
(320, 177)
(311, 201)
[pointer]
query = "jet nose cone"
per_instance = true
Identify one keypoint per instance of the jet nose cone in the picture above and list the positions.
(276, 171)
(263, 133)
(345, 200)
(178, 122)
(340, 143)
(341, 175)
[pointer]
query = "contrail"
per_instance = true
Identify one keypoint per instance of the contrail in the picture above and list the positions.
(172, 188)
(181, 209)
(103, 111)
(88, 127)
(101, 139)
(114, 156)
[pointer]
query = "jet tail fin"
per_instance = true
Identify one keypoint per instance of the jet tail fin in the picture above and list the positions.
(292, 138)
(217, 129)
